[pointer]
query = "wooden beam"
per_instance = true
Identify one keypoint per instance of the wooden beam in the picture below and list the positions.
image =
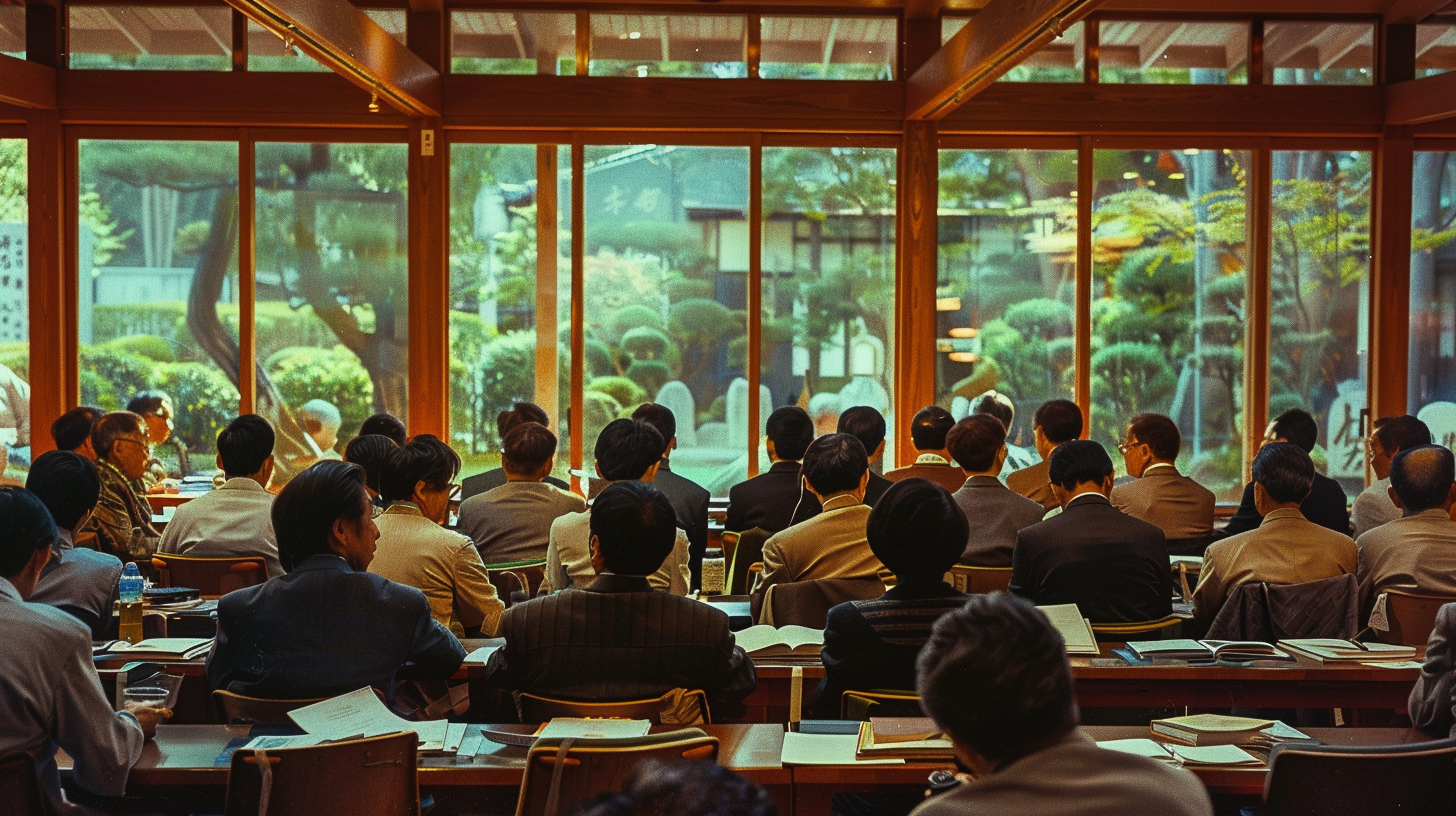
(27, 84)
(1421, 100)
(997, 38)
(1259, 196)
(915, 281)
(1410, 12)
(1082, 323)
(1390, 275)
(53, 360)
(429, 280)
(343, 38)
(427, 6)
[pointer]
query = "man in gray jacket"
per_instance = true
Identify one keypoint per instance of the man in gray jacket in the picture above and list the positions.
(978, 445)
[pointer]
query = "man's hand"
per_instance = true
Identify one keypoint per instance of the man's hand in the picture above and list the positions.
(148, 717)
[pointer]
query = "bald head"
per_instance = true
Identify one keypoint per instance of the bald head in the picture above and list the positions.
(1421, 478)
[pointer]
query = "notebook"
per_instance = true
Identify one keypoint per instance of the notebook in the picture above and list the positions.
(1076, 630)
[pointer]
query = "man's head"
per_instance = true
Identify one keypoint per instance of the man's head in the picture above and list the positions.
(67, 484)
(120, 438)
(1295, 427)
(836, 463)
(519, 412)
(1150, 439)
(422, 472)
(371, 452)
(633, 529)
(1423, 477)
(1079, 466)
(29, 533)
(155, 408)
(1283, 475)
(245, 449)
(72, 430)
(661, 418)
(994, 675)
(978, 444)
(1390, 436)
(1056, 422)
(628, 449)
(789, 430)
(917, 530)
(697, 788)
(321, 421)
(529, 451)
(867, 425)
(385, 425)
(325, 511)
(928, 429)
(996, 404)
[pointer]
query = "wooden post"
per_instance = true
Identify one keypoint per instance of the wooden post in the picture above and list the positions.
(1256, 304)
(753, 367)
(1082, 328)
(54, 383)
(429, 280)
(916, 249)
(247, 275)
(548, 227)
(1390, 274)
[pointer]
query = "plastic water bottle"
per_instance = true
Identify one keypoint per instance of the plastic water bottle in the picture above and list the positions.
(130, 585)
(129, 588)
(715, 571)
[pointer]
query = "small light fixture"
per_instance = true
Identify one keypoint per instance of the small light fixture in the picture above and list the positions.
(634, 35)
(963, 332)
(1190, 151)
(963, 357)
(1177, 176)
(374, 103)
(1130, 175)
(947, 304)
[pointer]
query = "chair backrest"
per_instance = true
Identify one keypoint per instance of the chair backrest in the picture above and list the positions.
(517, 576)
(861, 705)
(237, 709)
(1326, 608)
(1411, 616)
(20, 793)
(210, 576)
(807, 603)
(1160, 629)
(674, 707)
(366, 777)
(980, 580)
(746, 553)
(1358, 781)
(586, 768)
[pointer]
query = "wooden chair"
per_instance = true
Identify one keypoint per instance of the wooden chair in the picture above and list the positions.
(238, 709)
(1161, 629)
(213, 577)
(861, 705)
(807, 603)
(747, 551)
(675, 707)
(561, 774)
(1315, 780)
(20, 793)
(980, 580)
(1411, 616)
(365, 777)
(509, 578)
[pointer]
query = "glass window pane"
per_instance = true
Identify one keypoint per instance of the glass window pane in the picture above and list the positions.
(266, 51)
(169, 38)
(1174, 53)
(512, 42)
(1006, 288)
(332, 290)
(1060, 60)
(829, 48)
(682, 45)
(1435, 48)
(1298, 53)
(12, 31)
(395, 21)
(1167, 312)
(15, 420)
(666, 292)
(1432, 382)
(828, 283)
(1319, 264)
(158, 290)
(499, 344)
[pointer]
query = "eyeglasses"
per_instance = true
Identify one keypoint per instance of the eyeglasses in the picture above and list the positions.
(146, 446)
(1124, 447)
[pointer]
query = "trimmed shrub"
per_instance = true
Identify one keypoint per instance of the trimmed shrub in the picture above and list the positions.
(627, 393)
(332, 374)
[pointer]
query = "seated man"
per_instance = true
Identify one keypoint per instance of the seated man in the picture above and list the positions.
(1390, 435)
(156, 410)
(1417, 551)
(505, 422)
(868, 426)
(1430, 703)
(371, 452)
(627, 450)
(614, 637)
(831, 544)
(697, 788)
(995, 678)
(328, 626)
(1286, 548)
(917, 532)
(978, 444)
(689, 499)
(513, 522)
(1056, 422)
(50, 695)
(995, 404)
(414, 550)
(1159, 494)
(122, 522)
(72, 430)
(235, 519)
(776, 498)
(927, 433)
(1325, 504)
(79, 581)
(387, 425)
(1111, 565)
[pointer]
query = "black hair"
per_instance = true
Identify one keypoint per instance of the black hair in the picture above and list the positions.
(1422, 477)
(1077, 462)
(989, 405)
(385, 425)
(835, 463)
(635, 527)
(917, 530)
(371, 452)
(422, 459)
(71, 429)
(1285, 470)
(244, 445)
(994, 675)
(790, 430)
(67, 484)
(147, 402)
(1159, 433)
(659, 417)
(929, 427)
(975, 441)
(527, 449)
(112, 427)
(519, 412)
(28, 529)
(865, 424)
(698, 788)
(1060, 420)
(627, 449)
(306, 509)
(1297, 427)
(1397, 433)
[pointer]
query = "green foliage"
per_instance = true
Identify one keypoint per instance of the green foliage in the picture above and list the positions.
(678, 289)
(116, 376)
(13, 181)
(16, 357)
(644, 343)
(627, 393)
(333, 374)
(1129, 378)
(599, 408)
(507, 374)
(192, 237)
(205, 402)
(632, 317)
(153, 348)
(651, 375)
(599, 361)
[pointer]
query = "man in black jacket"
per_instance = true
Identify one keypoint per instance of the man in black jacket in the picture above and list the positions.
(776, 499)
(689, 499)
(1326, 505)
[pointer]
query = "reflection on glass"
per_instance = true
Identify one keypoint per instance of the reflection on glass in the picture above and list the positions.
(167, 38)
(158, 295)
(12, 31)
(1432, 381)
(829, 48)
(1170, 52)
(512, 42)
(681, 45)
(1319, 265)
(267, 51)
(1435, 48)
(15, 420)
(1310, 53)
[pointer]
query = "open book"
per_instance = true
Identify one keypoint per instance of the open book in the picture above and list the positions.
(1217, 650)
(175, 648)
(765, 641)
(1076, 630)
(1334, 650)
(903, 737)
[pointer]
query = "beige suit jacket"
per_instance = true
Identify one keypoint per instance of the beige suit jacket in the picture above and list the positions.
(1034, 483)
(568, 557)
(829, 545)
(1167, 499)
(1284, 549)
(1414, 552)
(417, 552)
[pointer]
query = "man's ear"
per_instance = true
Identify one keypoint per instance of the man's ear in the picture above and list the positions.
(1395, 500)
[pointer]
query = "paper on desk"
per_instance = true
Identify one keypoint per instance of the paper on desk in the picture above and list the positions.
(826, 749)
(1396, 664)
(1141, 746)
(272, 743)
(1214, 755)
(361, 714)
(482, 655)
(589, 728)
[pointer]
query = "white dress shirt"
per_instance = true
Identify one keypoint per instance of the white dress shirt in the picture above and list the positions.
(568, 557)
(232, 521)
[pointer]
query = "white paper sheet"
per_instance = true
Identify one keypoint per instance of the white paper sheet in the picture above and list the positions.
(273, 743)
(1396, 664)
(826, 749)
(1213, 754)
(586, 728)
(482, 655)
(349, 716)
(1140, 746)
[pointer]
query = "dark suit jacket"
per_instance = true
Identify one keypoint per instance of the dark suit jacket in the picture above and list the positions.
(690, 503)
(768, 500)
(481, 482)
(617, 639)
(1326, 506)
(324, 629)
(876, 488)
(1111, 565)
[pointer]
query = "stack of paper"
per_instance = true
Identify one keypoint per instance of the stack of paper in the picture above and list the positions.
(826, 749)
(355, 715)
(593, 728)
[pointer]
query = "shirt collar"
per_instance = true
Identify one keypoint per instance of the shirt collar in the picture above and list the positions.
(64, 540)
(931, 459)
(243, 483)
(323, 562)
(1156, 465)
(610, 582)
(1283, 513)
(404, 508)
(1085, 494)
(840, 502)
